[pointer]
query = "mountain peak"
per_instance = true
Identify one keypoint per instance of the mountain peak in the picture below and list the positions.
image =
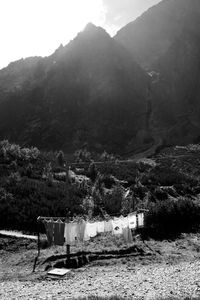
(91, 29)
(90, 26)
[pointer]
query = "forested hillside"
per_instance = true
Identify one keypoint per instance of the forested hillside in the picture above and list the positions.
(44, 184)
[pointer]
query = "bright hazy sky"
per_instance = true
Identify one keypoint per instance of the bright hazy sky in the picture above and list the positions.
(38, 27)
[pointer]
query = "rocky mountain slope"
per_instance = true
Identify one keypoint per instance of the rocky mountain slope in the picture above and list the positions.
(15, 75)
(88, 91)
(150, 36)
(166, 41)
(128, 94)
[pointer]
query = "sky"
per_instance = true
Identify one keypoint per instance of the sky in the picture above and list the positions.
(38, 27)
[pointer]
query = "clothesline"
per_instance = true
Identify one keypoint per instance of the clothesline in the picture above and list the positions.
(68, 233)
(60, 231)
(67, 219)
(63, 219)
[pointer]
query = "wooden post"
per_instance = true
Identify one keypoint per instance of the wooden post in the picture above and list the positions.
(68, 246)
(38, 245)
(68, 252)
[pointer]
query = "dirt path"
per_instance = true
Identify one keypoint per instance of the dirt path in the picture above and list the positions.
(174, 274)
(17, 234)
(140, 282)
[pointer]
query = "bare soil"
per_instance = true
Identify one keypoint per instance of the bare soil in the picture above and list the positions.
(171, 271)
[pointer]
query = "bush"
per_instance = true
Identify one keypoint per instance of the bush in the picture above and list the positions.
(167, 176)
(168, 218)
(92, 172)
(60, 158)
(113, 202)
(21, 205)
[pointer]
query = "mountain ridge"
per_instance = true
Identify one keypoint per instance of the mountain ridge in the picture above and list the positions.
(109, 93)
(90, 90)
(165, 40)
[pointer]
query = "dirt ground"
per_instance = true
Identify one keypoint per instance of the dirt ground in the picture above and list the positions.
(172, 270)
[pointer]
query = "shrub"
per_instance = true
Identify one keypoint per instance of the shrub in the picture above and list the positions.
(167, 176)
(113, 202)
(92, 172)
(21, 205)
(166, 218)
(60, 158)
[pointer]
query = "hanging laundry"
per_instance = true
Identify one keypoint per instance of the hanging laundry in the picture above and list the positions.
(59, 228)
(132, 219)
(141, 220)
(108, 226)
(127, 234)
(49, 226)
(100, 227)
(58, 232)
(117, 226)
(127, 192)
(71, 233)
(81, 227)
(124, 222)
(90, 230)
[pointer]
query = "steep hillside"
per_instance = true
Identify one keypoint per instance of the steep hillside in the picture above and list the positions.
(16, 75)
(176, 94)
(88, 91)
(166, 40)
(150, 36)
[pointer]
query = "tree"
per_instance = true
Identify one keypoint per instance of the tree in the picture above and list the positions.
(92, 171)
(82, 155)
(60, 158)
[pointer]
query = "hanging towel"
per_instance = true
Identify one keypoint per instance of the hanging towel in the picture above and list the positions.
(71, 233)
(117, 226)
(81, 227)
(124, 222)
(49, 226)
(108, 226)
(127, 234)
(100, 227)
(141, 220)
(90, 230)
(132, 219)
(59, 228)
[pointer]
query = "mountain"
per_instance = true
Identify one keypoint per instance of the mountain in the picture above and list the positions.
(90, 91)
(151, 35)
(165, 41)
(15, 75)
(132, 93)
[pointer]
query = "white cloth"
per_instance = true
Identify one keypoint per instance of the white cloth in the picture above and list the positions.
(71, 233)
(125, 222)
(132, 221)
(117, 226)
(90, 230)
(100, 227)
(140, 219)
(127, 234)
(108, 226)
(126, 193)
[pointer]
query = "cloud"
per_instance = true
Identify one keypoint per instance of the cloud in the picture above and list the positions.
(120, 12)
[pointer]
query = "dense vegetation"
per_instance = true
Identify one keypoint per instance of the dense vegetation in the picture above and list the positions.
(34, 183)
